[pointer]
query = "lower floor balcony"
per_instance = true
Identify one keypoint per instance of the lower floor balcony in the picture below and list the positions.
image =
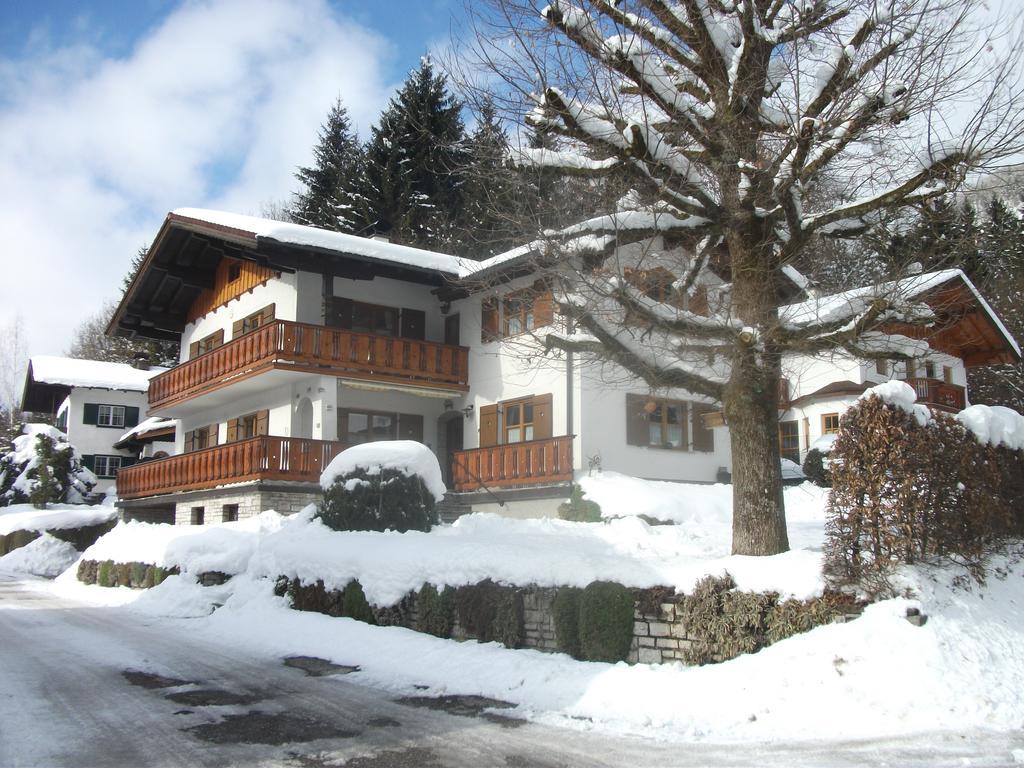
(263, 458)
(514, 465)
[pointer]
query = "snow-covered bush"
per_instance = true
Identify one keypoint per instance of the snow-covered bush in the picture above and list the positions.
(818, 460)
(565, 612)
(488, 611)
(42, 467)
(605, 621)
(435, 611)
(578, 509)
(389, 485)
(910, 486)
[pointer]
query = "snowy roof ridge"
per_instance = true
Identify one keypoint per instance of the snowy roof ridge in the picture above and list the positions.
(96, 374)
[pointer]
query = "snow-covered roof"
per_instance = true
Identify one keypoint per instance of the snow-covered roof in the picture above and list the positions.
(837, 306)
(71, 372)
(314, 237)
(146, 427)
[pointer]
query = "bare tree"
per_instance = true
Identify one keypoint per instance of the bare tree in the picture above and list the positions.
(13, 361)
(728, 117)
(91, 342)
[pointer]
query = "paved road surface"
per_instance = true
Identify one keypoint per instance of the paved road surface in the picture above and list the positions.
(84, 686)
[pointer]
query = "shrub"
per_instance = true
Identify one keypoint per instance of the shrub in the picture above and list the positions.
(123, 574)
(579, 510)
(815, 470)
(387, 500)
(160, 573)
(137, 575)
(87, 571)
(605, 622)
(42, 467)
(565, 610)
(105, 573)
(354, 604)
(507, 627)
(435, 611)
(476, 606)
(149, 579)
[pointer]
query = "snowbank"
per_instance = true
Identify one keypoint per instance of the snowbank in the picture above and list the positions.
(405, 456)
(225, 547)
(56, 517)
(45, 556)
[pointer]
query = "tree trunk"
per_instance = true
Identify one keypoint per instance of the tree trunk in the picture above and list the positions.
(752, 411)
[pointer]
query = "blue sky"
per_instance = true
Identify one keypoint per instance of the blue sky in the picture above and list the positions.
(113, 113)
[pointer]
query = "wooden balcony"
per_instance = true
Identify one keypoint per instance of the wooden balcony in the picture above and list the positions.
(935, 392)
(536, 462)
(284, 345)
(258, 458)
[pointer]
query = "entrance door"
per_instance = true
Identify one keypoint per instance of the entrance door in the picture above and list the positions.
(304, 428)
(453, 443)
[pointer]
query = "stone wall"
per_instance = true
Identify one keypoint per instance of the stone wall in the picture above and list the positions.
(660, 637)
(249, 503)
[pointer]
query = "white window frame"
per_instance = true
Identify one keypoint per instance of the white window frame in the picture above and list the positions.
(111, 412)
(110, 465)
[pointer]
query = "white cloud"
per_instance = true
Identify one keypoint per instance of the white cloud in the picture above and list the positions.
(216, 107)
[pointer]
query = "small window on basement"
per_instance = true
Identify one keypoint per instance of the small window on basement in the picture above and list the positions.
(229, 513)
(829, 423)
(198, 516)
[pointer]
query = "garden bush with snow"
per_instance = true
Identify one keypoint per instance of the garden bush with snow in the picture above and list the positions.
(388, 485)
(42, 467)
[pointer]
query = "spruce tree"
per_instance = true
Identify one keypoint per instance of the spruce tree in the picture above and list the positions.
(411, 184)
(330, 199)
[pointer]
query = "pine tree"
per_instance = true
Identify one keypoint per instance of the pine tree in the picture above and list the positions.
(411, 185)
(330, 199)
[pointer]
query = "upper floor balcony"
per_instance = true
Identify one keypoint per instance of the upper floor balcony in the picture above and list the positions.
(939, 394)
(284, 348)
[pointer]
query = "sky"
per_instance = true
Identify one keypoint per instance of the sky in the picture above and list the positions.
(112, 113)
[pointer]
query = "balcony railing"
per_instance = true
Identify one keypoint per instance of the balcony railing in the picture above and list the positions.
(536, 462)
(258, 458)
(939, 393)
(286, 345)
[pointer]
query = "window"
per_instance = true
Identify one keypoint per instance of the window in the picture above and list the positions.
(257, 319)
(829, 423)
(206, 344)
(371, 318)
(789, 440)
(882, 367)
(203, 437)
(249, 425)
(198, 516)
(106, 466)
(516, 421)
(234, 271)
(110, 416)
(947, 374)
(671, 424)
(229, 513)
(359, 426)
(517, 313)
(929, 370)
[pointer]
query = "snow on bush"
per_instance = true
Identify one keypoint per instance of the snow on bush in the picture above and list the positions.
(380, 486)
(994, 425)
(45, 556)
(43, 467)
(900, 395)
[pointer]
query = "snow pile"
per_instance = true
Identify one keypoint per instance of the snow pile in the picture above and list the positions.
(994, 425)
(620, 495)
(45, 556)
(407, 457)
(825, 443)
(224, 547)
(72, 372)
(56, 517)
(900, 395)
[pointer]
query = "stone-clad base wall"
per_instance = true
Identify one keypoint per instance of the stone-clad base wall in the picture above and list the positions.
(250, 503)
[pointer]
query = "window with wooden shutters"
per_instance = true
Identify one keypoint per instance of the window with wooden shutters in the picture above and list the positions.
(517, 312)
(206, 344)
(257, 319)
(490, 320)
(203, 437)
(516, 421)
(249, 425)
(672, 424)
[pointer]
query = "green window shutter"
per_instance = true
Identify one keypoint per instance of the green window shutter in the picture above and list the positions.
(131, 416)
(91, 415)
(87, 461)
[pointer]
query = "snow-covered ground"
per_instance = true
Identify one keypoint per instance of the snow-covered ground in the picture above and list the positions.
(25, 517)
(878, 676)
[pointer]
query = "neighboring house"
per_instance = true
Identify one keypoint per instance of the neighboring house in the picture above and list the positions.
(94, 403)
(297, 342)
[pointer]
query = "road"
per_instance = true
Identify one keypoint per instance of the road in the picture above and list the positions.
(85, 686)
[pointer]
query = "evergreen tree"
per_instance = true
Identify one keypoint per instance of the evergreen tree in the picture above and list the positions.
(411, 185)
(330, 199)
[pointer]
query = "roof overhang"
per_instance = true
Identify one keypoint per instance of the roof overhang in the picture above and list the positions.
(183, 261)
(42, 396)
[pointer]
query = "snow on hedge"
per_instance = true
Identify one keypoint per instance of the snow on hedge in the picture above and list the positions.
(994, 425)
(56, 517)
(225, 547)
(45, 556)
(405, 456)
(900, 395)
